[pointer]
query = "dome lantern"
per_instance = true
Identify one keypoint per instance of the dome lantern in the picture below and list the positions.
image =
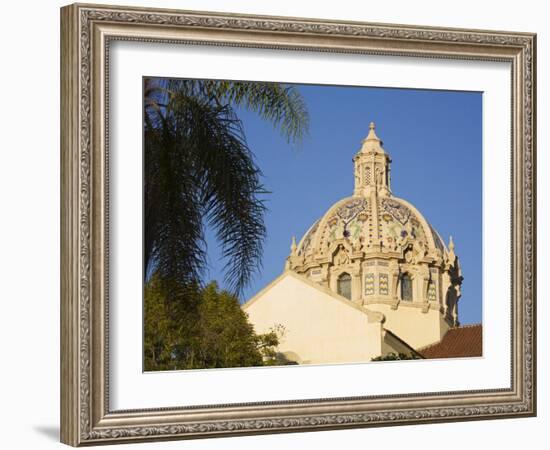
(372, 167)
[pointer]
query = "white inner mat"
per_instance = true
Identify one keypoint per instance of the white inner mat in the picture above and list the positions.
(130, 388)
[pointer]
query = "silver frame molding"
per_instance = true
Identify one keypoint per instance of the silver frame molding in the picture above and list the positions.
(86, 31)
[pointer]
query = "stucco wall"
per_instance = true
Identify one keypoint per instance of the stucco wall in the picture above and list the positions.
(415, 327)
(319, 327)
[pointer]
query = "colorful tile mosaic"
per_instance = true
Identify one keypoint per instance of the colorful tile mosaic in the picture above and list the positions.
(397, 210)
(305, 248)
(369, 284)
(350, 209)
(383, 284)
(431, 292)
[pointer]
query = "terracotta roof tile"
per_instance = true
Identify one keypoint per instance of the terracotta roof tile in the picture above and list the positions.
(458, 342)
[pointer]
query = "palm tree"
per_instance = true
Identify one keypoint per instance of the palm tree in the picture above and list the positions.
(199, 170)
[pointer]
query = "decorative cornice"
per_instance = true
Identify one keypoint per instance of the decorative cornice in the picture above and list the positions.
(403, 304)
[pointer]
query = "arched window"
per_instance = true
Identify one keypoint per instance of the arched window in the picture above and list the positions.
(406, 288)
(344, 285)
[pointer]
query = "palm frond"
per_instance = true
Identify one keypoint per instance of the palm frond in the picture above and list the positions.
(281, 104)
(199, 167)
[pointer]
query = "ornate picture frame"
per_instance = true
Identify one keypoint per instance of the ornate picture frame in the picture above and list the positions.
(87, 32)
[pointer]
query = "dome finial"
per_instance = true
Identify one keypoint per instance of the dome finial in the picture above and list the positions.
(451, 244)
(372, 134)
(293, 246)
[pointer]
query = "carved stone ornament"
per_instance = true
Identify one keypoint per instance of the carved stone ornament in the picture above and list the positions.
(87, 32)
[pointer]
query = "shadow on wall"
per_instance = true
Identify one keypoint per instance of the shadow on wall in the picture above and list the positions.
(287, 359)
(49, 431)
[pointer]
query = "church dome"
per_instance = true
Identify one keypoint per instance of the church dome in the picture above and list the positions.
(375, 248)
(372, 219)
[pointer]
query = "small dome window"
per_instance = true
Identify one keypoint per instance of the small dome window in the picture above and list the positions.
(344, 285)
(406, 288)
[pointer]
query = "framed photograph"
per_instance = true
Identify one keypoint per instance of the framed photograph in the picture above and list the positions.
(276, 224)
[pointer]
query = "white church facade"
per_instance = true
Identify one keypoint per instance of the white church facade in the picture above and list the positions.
(369, 278)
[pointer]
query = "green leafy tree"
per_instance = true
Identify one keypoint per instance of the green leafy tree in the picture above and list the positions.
(169, 326)
(227, 339)
(214, 334)
(267, 344)
(199, 170)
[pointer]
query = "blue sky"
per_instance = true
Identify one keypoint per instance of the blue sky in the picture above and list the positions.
(434, 139)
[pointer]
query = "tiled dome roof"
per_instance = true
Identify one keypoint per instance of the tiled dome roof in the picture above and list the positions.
(386, 222)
